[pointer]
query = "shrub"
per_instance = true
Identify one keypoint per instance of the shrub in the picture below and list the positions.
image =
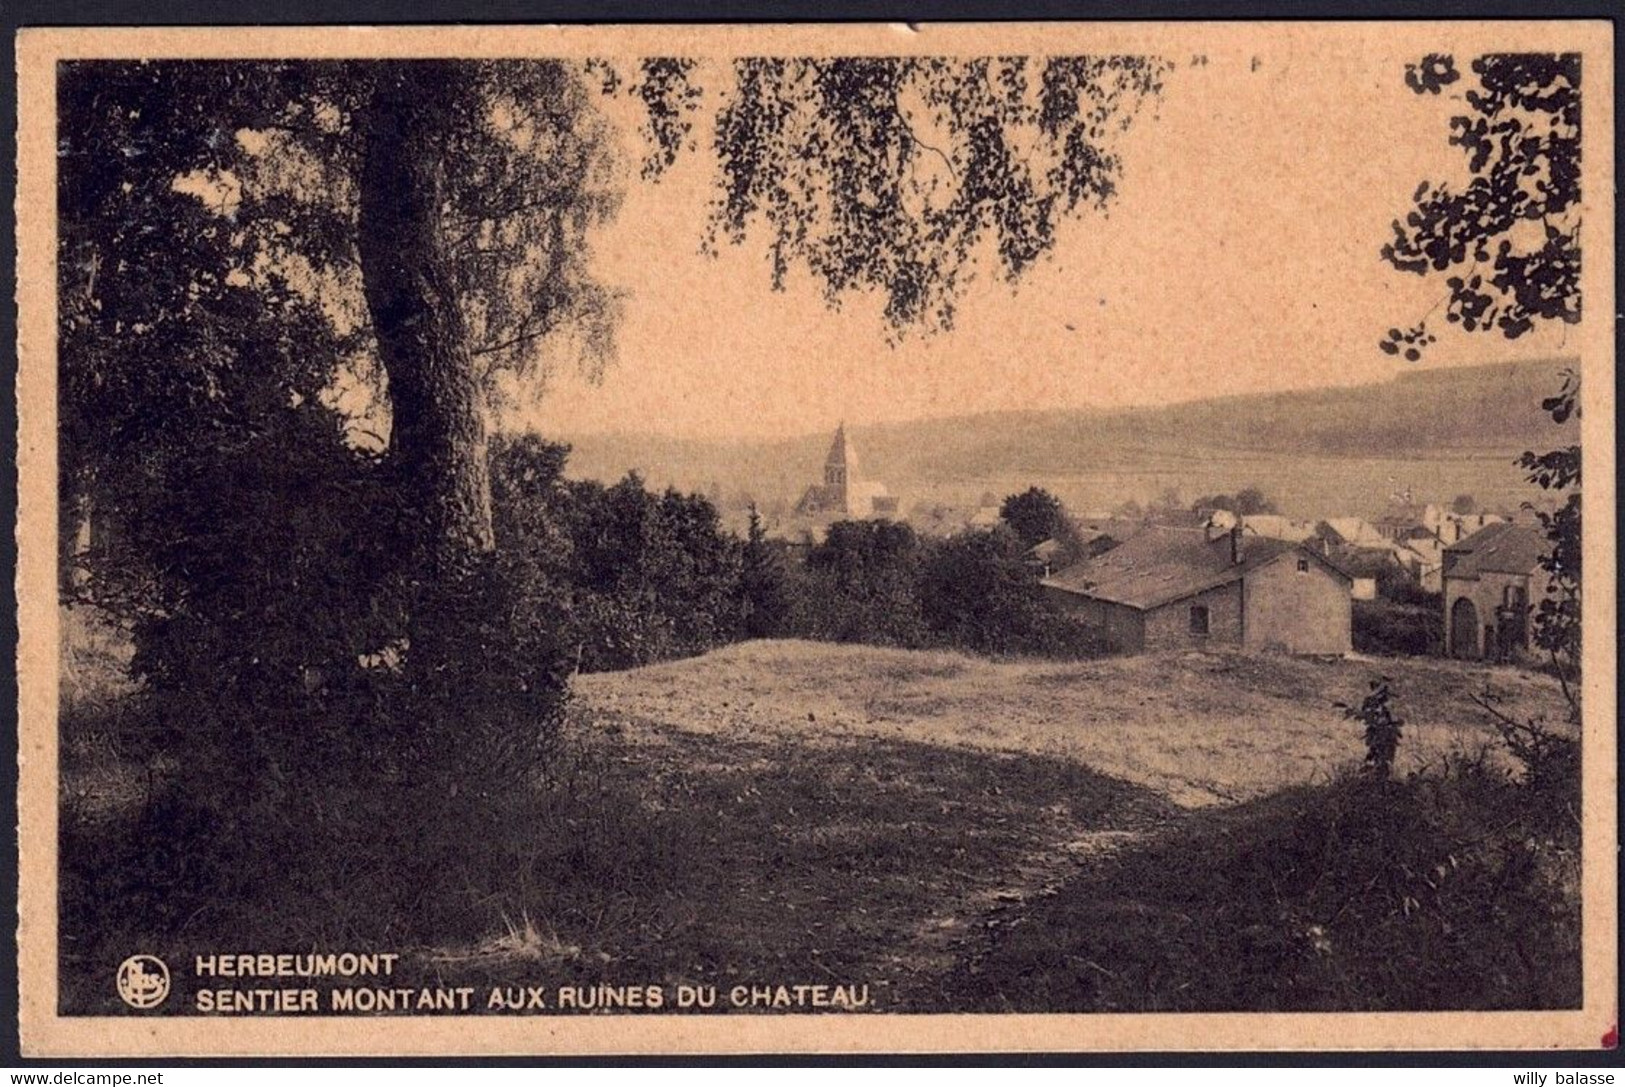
(1438, 891)
(1383, 727)
(1382, 628)
(1400, 587)
(861, 584)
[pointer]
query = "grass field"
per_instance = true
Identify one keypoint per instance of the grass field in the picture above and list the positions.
(962, 834)
(1195, 728)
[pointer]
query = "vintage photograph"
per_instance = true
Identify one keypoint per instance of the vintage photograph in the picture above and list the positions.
(814, 528)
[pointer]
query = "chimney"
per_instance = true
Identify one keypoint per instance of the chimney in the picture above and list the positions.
(1235, 543)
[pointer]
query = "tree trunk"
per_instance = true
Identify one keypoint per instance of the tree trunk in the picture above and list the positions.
(438, 434)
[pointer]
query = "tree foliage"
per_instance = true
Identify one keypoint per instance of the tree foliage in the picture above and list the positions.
(978, 592)
(1517, 222)
(291, 292)
(1247, 501)
(1509, 237)
(895, 174)
(630, 576)
(216, 216)
(1557, 613)
(1034, 515)
(763, 587)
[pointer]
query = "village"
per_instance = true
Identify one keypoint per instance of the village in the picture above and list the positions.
(1225, 572)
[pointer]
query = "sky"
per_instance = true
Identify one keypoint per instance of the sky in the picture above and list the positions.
(1240, 256)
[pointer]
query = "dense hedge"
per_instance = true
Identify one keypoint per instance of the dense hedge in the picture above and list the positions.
(1384, 628)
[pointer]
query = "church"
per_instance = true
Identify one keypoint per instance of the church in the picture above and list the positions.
(844, 492)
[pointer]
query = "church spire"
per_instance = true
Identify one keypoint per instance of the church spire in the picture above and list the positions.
(838, 450)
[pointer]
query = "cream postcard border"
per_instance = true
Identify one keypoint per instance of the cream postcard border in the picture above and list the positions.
(44, 1033)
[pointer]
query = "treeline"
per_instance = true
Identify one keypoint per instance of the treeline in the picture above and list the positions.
(634, 576)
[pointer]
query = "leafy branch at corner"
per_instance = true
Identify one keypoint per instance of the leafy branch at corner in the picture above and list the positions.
(1509, 239)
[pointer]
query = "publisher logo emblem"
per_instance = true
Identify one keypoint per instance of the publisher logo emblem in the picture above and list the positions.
(143, 981)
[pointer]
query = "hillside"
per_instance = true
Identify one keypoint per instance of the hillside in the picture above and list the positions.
(933, 833)
(1196, 728)
(1445, 412)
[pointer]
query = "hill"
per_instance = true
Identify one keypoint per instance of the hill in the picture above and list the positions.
(1318, 452)
(1442, 414)
(1194, 728)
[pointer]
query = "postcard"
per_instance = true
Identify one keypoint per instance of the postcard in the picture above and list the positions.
(816, 539)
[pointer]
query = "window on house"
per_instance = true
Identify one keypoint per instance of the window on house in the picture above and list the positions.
(1199, 619)
(1303, 566)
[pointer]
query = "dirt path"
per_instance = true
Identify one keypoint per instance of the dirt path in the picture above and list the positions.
(871, 860)
(887, 812)
(942, 940)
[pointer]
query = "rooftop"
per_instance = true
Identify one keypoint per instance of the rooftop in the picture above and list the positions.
(1160, 565)
(1503, 548)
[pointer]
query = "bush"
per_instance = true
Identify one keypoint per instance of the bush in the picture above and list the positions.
(1382, 628)
(301, 708)
(1399, 587)
(1383, 727)
(634, 577)
(1444, 890)
(861, 584)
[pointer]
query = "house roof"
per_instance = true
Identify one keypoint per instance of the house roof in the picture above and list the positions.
(1046, 549)
(1403, 513)
(1160, 565)
(1503, 548)
(1177, 518)
(1118, 528)
(1355, 530)
(1276, 526)
(1365, 561)
(1427, 548)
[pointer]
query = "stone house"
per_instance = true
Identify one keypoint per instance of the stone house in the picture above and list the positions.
(1171, 588)
(1491, 580)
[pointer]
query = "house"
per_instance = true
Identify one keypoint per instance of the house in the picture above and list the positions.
(1405, 519)
(1276, 527)
(1425, 559)
(1366, 565)
(1114, 529)
(1455, 527)
(1354, 531)
(1489, 580)
(1085, 543)
(1179, 588)
(844, 492)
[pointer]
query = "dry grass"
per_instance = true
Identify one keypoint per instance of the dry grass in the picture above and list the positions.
(929, 824)
(1199, 728)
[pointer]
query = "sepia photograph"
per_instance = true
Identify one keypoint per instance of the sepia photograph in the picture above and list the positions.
(816, 539)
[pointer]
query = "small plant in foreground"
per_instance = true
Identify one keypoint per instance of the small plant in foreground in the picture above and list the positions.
(1382, 726)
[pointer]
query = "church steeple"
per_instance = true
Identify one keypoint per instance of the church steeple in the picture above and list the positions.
(841, 466)
(844, 490)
